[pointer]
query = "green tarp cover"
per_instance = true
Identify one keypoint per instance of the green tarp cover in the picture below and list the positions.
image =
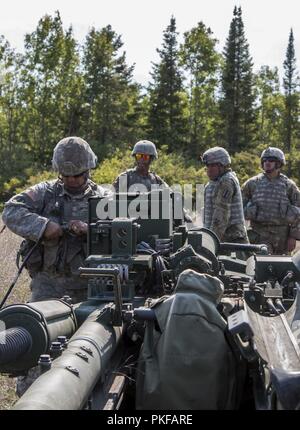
(185, 362)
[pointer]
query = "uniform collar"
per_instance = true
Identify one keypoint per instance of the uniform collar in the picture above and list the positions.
(64, 192)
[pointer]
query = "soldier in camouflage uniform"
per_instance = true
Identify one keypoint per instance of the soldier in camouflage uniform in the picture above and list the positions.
(272, 204)
(140, 178)
(55, 214)
(144, 152)
(40, 214)
(223, 208)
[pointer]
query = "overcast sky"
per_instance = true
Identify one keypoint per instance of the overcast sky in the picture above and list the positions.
(142, 22)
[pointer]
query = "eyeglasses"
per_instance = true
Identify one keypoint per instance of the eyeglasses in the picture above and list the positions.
(75, 176)
(145, 157)
(271, 159)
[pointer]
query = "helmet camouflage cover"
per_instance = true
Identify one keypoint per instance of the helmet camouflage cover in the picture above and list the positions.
(73, 156)
(273, 152)
(145, 147)
(216, 155)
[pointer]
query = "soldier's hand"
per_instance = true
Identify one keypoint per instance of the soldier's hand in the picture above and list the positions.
(78, 227)
(53, 231)
(291, 244)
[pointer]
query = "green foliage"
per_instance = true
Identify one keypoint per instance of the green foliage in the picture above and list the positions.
(196, 99)
(167, 117)
(270, 107)
(50, 87)
(237, 102)
(111, 167)
(290, 84)
(201, 61)
(246, 164)
(110, 109)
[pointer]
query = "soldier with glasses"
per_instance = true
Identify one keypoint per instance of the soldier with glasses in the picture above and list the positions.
(272, 205)
(144, 153)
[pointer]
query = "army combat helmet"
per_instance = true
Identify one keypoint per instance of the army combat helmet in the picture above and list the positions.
(216, 155)
(273, 152)
(73, 156)
(145, 147)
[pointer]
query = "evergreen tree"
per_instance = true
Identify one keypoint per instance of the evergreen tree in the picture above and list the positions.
(237, 99)
(290, 84)
(111, 98)
(201, 62)
(50, 87)
(167, 119)
(270, 107)
(10, 150)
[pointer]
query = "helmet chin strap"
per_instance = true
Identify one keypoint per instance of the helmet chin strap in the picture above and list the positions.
(86, 176)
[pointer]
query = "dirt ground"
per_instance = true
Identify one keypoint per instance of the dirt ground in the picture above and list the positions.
(9, 244)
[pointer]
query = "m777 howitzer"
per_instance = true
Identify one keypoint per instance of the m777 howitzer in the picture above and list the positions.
(174, 320)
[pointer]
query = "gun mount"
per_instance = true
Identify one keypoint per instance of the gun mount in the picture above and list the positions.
(134, 264)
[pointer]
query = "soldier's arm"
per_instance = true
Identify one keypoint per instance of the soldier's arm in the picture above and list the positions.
(221, 214)
(294, 197)
(246, 192)
(120, 184)
(22, 213)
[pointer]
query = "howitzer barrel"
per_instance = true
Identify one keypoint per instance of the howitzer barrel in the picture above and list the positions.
(15, 342)
(73, 375)
(30, 329)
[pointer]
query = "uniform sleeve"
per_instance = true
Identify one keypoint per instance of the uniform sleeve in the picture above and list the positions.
(120, 184)
(294, 194)
(246, 193)
(294, 197)
(22, 213)
(222, 211)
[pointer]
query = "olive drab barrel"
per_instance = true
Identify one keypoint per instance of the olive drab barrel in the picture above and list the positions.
(29, 331)
(154, 288)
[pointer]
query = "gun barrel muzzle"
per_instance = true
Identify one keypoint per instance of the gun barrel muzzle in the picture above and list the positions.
(14, 342)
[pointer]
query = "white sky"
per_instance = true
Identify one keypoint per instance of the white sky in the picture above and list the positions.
(141, 24)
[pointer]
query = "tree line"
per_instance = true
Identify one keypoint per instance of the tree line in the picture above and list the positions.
(196, 98)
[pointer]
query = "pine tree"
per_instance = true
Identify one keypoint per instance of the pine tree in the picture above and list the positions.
(290, 84)
(270, 107)
(111, 98)
(237, 99)
(12, 160)
(50, 87)
(201, 62)
(167, 120)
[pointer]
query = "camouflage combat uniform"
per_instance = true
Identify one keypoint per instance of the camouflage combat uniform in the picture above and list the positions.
(131, 178)
(223, 209)
(54, 265)
(273, 208)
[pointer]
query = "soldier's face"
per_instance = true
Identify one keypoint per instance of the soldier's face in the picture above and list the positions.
(75, 184)
(214, 170)
(143, 161)
(270, 165)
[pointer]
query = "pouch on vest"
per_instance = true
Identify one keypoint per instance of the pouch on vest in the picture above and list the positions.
(35, 261)
(292, 214)
(185, 362)
(295, 232)
(250, 211)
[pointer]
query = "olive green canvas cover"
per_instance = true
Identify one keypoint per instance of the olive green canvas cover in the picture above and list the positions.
(185, 362)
